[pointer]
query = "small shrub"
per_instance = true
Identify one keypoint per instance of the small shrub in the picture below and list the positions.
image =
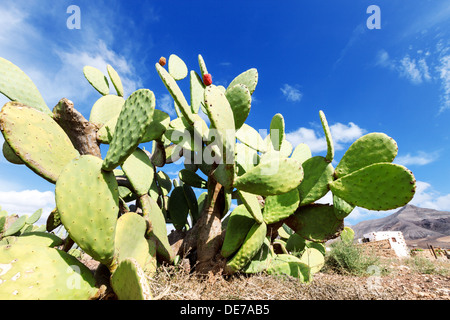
(346, 258)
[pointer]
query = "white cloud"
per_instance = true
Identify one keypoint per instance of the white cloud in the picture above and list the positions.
(27, 202)
(421, 158)
(291, 93)
(341, 134)
(308, 136)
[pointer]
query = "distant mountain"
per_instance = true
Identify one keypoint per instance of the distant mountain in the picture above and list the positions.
(420, 226)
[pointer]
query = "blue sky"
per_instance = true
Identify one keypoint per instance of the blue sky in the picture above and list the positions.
(310, 55)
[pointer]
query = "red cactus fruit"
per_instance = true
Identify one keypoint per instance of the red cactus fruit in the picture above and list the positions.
(162, 61)
(207, 79)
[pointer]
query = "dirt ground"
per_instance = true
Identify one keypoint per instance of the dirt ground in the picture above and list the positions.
(400, 283)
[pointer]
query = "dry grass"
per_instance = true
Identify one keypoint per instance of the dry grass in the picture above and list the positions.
(402, 283)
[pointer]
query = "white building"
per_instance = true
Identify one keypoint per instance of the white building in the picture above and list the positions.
(396, 240)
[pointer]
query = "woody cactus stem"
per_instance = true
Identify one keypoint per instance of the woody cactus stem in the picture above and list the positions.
(80, 131)
(210, 238)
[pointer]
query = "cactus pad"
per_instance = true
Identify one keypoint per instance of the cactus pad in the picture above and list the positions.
(97, 79)
(37, 139)
(29, 272)
(279, 207)
(105, 109)
(271, 177)
(251, 245)
(326, 129)
(139, 170)
(315, 222)
(277, 131)
(10, 155)
(318, 174)
(380, 186)
(248, 78)
(17, 86)
(129, 281)
(240, 101)
(87, 200)
(252, 204)
(130, 239)
(369, 149)
(115, 79)
(135, 117)
(239, 224)
(177, 68)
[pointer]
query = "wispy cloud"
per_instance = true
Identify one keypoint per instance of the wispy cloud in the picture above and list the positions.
(291, 93)
(416, 71)
(444, 75)
(166, 104)
(421, 158)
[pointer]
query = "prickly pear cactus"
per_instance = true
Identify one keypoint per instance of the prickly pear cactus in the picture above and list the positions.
(117, 208)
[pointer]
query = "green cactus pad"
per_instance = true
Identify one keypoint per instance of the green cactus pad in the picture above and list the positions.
(318, 174)
(130, 282)
(97, 79)
(239, 224)
(246, 158)
(29, 272)
(135, 117)
(251, 138)
(251, 245)
(202, 65)
(369, 149)
(240, 101)
(115, 79)
(158, 233)
(315, 222)
(155, 130)
(35, 238)
(192, 179)
(178, 208)
(177, 68)
(248, 78)
(279, 207)
(37, 139)
(222, 119)
(285, 264)
(277, 131)
(261, 261)
(326, 129)
(380, 186)
(271, 177)
(34, 217)
(139, 170)
(10, 155)
(295, 243)
(347, 235)
(130, 239)
(87, 199)
(16, 226)
(176, 93)
(105, 109)
(314, 259)
(341, 207)
(252, 204)
(197, 91)
(17, 86)
(301, 153)
(191, 200)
